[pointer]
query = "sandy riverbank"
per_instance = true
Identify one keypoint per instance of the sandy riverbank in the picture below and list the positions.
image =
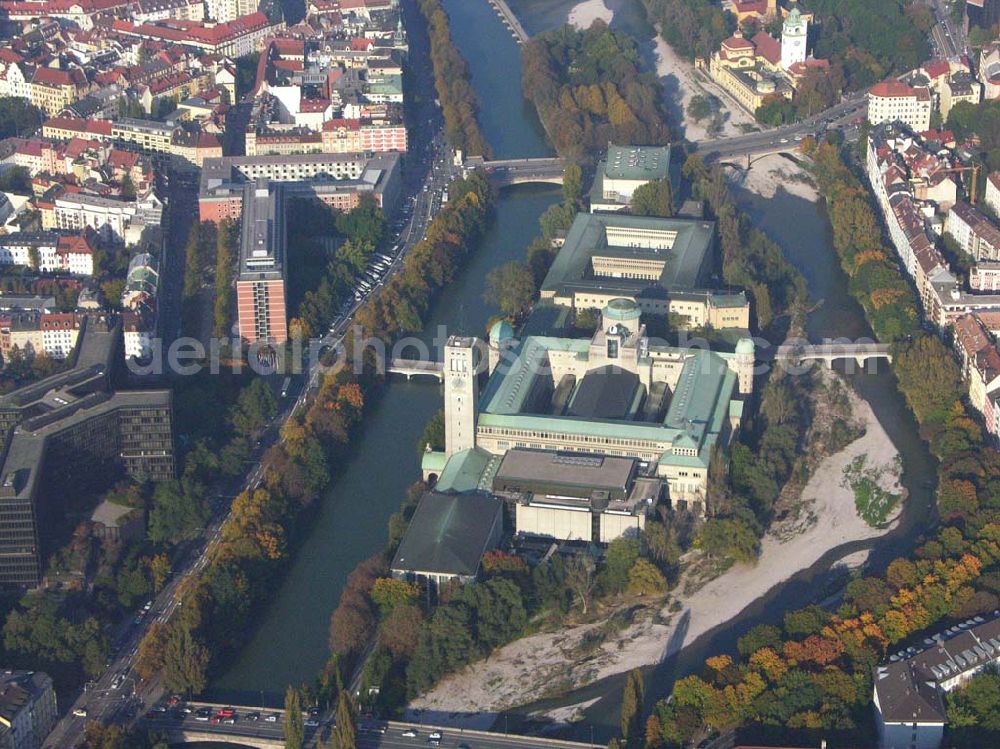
(584, 14)
(681, 82)
(775, 171)
(548, 664)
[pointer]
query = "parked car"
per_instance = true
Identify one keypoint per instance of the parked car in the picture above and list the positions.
(80, 712)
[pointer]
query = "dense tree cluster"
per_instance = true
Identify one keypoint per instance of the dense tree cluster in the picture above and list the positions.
(454, 87)
(417, 644)
(871, 41)
(978, 122)
(401, 306)
(695, 28)
(818, 90)
(512, 288)
(199, 253)
(17, 179)
(874, 278)
(227, 239)
(974, 712)
(312, 224)
(654, 198)
(750, 259)
(18, 117)
(589, 89)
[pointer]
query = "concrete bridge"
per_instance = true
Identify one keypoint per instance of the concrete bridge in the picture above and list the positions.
(510, 20)
(830, 352)
(414, 367)
(192, 736)
(504, 172)
(260, 734)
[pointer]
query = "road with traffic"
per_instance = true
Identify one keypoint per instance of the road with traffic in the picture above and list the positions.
(947, 37)
(201, 721)
(773, 139)
(114, 696)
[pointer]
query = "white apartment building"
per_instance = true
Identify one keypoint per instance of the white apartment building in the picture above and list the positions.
(27, 709)
(59, 334)
(991, 196)
(973, 232)
(108, 217)
(51, 252)
(228, 10)
(14, 83)
(909, 690)
(893, 100)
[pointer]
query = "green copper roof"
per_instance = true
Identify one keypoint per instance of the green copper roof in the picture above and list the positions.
(686, 261)
(511, 384)
(637, 162)
(463, 470)
(433, 461)
(698, 391)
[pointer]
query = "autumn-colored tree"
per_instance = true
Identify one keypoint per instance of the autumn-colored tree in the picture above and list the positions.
(644, 579)
(632, 701)
(770, 663)
(400, 631)
(814, 649)
(345, 727)
(293, 725)
(149, 658)
(499, 562)
(387, 593)
(159, 568)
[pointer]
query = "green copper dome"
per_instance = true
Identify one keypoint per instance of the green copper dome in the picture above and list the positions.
(621, 310)
(501, 331)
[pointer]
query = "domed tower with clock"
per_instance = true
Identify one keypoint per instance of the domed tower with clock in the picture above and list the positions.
(461, 394)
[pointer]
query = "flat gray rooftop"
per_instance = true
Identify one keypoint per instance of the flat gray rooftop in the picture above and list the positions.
(95, 352)
(262, 232)
(591, 471)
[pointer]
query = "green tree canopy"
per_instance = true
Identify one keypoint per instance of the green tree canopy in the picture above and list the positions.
(511, 287)
(654, 198)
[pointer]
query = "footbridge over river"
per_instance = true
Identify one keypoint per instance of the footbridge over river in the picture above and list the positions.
(414, 367)
(831, 351)
(510, 20)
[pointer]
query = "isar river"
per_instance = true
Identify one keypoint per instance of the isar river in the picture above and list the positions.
(290, 644)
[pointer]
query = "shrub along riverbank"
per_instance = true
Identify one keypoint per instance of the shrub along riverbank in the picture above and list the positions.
(813, 674)
(451, 79)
